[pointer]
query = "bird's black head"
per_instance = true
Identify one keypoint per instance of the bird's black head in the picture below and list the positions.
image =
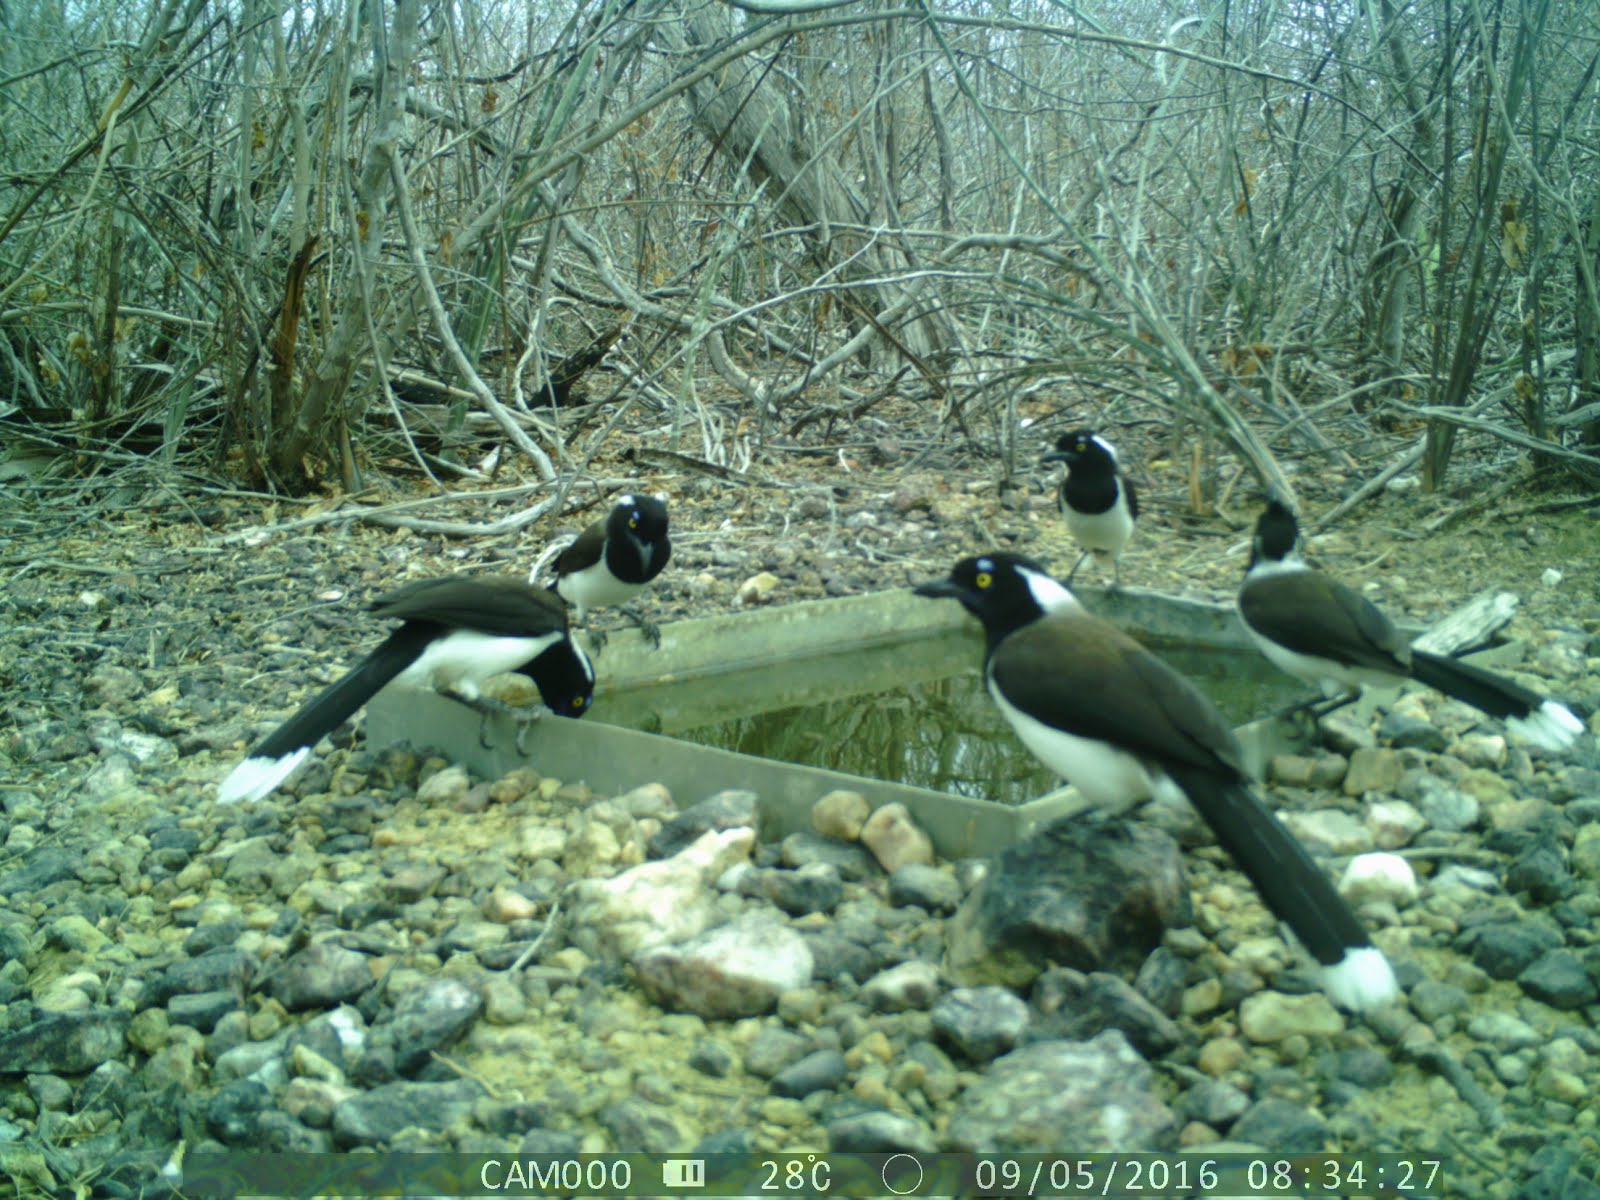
(1083, 448)
(1276, 534)
(642, 520)
(1004, 591)
(565, 678)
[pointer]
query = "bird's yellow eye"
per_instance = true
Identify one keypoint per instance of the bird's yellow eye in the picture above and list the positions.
(633, 521)
(580, 701)
(984, 579)
(1082, 444)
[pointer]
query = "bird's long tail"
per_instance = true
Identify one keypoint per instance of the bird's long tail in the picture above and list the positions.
(285, 748)
(1544, 722)
(1295, 887)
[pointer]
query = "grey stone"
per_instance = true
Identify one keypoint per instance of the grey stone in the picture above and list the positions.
(813, 888)
(773, 1049)
(234, 1111)
(1402, 729)
(1082, 893)
(819, 1071)
(1558, 978)
(852, 860)
(910, 985)
(1505, 950)
(202, 1010)
(40, 868)
(643, 1127)
(1095, 1095)
(320, 976)
(1074, 1005)
(1214, 1102)
(712, 1057)
(1541, 872)
(725, 810)
(735, 970)
(1283, 1125)
(376, 1116)
(938, 891)
(880, 1132)
(429, 1018)
(69, 1042)
(1431, 1000)
(980, 1023)
(214, 971)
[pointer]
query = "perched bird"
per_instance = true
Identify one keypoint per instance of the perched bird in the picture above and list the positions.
(1323, 632)
(454, 633)
(1122, 726)
(614, 558)
(1097, 500)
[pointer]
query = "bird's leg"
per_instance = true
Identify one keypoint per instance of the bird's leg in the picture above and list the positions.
(522, 715)
(1075, 567)
(650, 630)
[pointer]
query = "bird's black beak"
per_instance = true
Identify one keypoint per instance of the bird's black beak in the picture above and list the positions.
(938, 589)
(1054, 456)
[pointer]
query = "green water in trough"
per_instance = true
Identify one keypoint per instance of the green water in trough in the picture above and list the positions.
(913, 713)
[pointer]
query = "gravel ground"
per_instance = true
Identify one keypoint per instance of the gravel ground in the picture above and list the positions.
(395, 954)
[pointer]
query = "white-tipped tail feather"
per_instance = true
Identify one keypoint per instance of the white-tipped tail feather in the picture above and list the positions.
(1362, 980)
(1551, 726)
(254, 778)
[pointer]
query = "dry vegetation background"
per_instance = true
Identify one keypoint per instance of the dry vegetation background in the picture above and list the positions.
(303, 247)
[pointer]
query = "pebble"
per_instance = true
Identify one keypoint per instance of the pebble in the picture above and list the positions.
(1269, 1016)
(1382, 877)
(980, 1023)
(911, 985)
(735, 970)
(840, 814)
(894, 838)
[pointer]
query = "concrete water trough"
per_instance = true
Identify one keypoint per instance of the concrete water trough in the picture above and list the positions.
(733, 665)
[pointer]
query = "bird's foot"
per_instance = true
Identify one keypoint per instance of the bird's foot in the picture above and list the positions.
(523, 716)
(597, 641)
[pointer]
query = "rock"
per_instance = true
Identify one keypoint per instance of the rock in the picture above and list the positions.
(1331, 829)
(320, 976)
(1432, 1000)
(840, 814)
(736, 970)
(214, 971)
(1267, 1017)
(1383, 877)
(727, 810)
(819, 1071)
(1073, 1005)
(979, 1023)
(427, 1018)
(1445, 808)
(110, 686)
(932, 888)
(773, 1049)
(202, 1010)
(1541, 872)
(1283, 1125)
(40, 868)
(1373, 769)
(374, 1117)
(1505, 950)
(813, 888)
(657, 902)
(638, 1122)
(1503, 1031)
(1083, 893)
(1393, 823)
(758, 589)
(1095, 1095)
(1409, 731)
(911, 985)
(1364, 1067)
(852, 860)
(1486, 750)
(445, 789)
(880, 1133)
(1558, 978)
(712, 1057)
(70, 1043)
(894, 838)
(234, 1111)
(1342, 731)
(1213, 1101)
